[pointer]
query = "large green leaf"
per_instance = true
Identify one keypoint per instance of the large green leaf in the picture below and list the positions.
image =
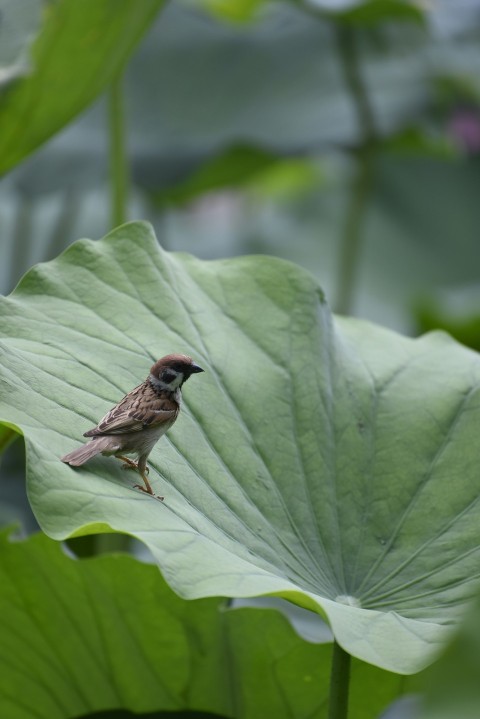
(90, 635)
(325, 460)
(80, 49)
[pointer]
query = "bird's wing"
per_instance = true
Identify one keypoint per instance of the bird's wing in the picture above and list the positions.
(141, 408)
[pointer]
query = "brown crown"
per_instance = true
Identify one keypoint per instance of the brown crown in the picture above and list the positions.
(179, 362)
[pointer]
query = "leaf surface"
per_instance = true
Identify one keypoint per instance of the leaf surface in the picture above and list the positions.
(325, 460)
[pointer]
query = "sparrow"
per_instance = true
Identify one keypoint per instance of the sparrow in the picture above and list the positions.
(138, 421)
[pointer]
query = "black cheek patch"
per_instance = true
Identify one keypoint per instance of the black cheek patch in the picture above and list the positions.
(168, 376)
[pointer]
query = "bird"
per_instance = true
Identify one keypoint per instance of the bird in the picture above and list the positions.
(138, 421)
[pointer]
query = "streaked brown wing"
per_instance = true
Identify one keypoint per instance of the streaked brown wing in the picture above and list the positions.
(141, 408)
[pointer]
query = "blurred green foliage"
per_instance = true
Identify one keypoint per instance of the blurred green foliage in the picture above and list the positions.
(342, 135)
(210, 105)
(457, 311)
(453, 683)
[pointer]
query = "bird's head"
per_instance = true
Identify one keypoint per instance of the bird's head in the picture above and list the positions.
(171, 371)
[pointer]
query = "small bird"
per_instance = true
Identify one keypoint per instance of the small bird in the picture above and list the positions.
(138, 421)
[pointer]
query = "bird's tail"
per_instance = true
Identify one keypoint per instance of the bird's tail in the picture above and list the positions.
(86, 451)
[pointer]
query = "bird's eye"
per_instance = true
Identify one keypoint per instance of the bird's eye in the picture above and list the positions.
(168, 376)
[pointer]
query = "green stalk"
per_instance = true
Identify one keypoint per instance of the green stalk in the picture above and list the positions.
(347, 45)
(339, 683)
(360, 190)
(119, 173)
(352, 233)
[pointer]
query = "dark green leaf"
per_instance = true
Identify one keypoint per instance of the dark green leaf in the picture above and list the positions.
(81, 47)
(453, 684)
(105, 637)
(369, 12)
(232, 168)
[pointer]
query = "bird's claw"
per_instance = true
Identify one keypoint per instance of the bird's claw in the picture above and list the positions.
(144, 489)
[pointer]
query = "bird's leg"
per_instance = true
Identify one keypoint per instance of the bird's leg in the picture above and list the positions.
(143, 470)
(130, 464)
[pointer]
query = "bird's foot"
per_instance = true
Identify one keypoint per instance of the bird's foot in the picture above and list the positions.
(130, 464)
(147, 488)
(144, 489)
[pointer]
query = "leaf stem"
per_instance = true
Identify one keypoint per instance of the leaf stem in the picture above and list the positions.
(119, 172)
(347, 45)
(352, 233)
(360, 189)
(339, 683)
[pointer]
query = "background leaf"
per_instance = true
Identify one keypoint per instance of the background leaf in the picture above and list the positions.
(121, 639)
(370, 12)
(328, 461)
(236, 166)
(72, 62)
(287, 96)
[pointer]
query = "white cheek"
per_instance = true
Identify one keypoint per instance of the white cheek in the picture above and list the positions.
(177, 381)
(169, 386)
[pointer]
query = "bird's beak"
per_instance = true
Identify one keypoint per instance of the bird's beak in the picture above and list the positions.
(195, 368)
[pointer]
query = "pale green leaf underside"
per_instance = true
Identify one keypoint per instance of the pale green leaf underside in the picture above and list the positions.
(327, 460)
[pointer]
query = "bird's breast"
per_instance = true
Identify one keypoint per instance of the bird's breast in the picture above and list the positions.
(142, 442)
